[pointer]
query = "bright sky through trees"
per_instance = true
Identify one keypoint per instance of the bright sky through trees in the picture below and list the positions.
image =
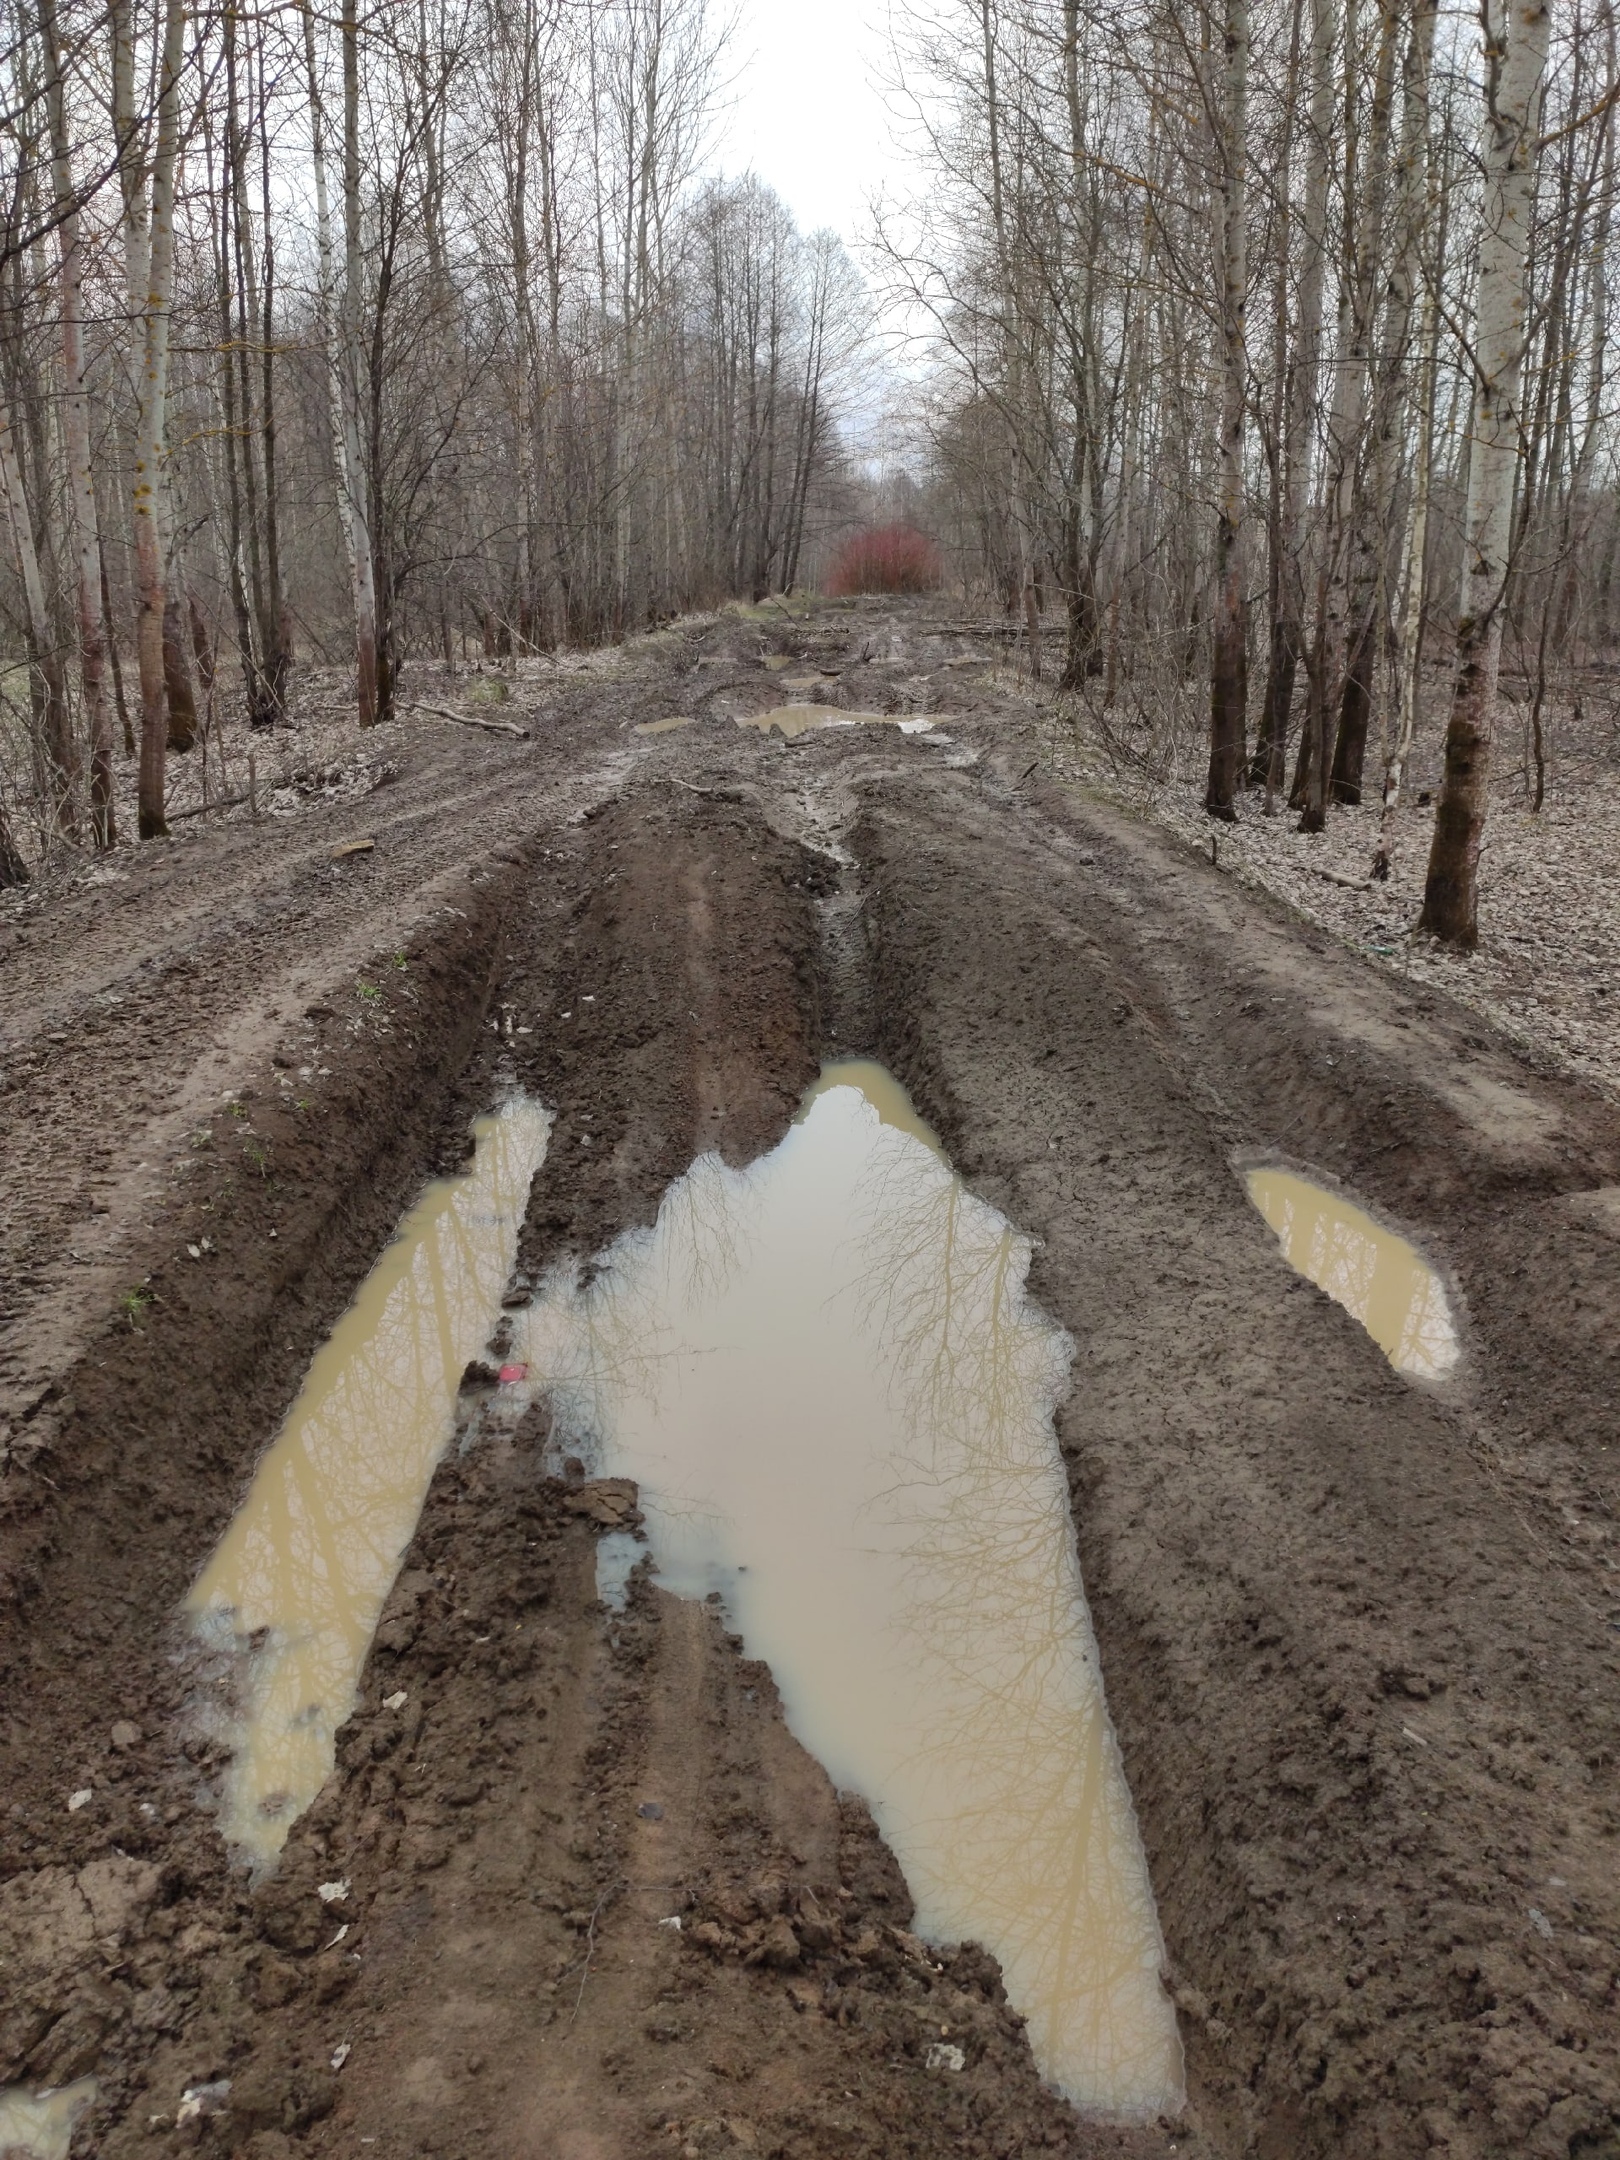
(806, 115)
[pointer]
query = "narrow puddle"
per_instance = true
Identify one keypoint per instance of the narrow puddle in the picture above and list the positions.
(663, 727)
(826, 1375)
(297, 1583)
(1377, 1277)
(793, 720)
(39, 2125)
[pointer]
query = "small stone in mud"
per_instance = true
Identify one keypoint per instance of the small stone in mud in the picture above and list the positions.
(779, 1946)
(650, 1811)
(275, 1982)
(125, 1736)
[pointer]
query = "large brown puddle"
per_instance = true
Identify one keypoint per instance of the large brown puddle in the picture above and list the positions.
(828, 1379)
(1377, 1277)
(40, 2124)
(299, 1580)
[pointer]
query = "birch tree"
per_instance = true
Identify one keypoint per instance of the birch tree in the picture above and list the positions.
(1517, 36)
(1229, 643)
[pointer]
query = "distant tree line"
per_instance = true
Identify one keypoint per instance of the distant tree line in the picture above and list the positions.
(367, 334)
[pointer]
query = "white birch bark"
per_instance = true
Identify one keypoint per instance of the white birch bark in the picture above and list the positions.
(1229, 670)
(1518, 35)
(76, 432)
(149, 272)
(354, 471)
(327, 285)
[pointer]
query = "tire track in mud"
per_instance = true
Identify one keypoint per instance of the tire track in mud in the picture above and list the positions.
(1354, 1650)
(1337, 1654)
(502, 1984)
(198, 1001)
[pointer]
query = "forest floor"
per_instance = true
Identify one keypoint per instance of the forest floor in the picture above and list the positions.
(1359, 1634)
(1547, 970)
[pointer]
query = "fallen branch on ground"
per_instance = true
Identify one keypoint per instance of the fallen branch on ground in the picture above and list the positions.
(225, 802)
(490, 727)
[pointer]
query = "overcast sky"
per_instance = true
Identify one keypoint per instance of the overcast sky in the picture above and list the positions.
(805, 116)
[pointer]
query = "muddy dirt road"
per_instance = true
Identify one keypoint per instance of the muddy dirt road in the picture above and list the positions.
(1360, 1635)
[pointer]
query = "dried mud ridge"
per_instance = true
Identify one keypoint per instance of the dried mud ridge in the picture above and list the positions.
(1359, 1636)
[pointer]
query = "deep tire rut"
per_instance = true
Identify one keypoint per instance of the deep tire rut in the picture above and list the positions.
(1357, 1635)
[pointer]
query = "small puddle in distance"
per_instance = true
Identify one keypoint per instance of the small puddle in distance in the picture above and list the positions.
(827, 1378)
(663, 727)
(1377, 1277)
(794, 720)
(298, 1582)
(39, 2125)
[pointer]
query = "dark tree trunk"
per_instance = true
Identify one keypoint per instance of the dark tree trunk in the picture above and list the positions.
(1308, 795)
(1450, 897)
(177, 676)
(1229, 682)
(1269, 769)
(117, 664)
(13, 870)
(1083, 656)
(1355, 711)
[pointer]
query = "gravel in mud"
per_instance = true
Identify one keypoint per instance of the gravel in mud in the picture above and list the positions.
(1358, 1633)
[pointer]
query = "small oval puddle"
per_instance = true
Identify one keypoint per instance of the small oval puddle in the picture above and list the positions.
(298, 1581)
(40, 2124)
(827, 1378)
(1377, 1277)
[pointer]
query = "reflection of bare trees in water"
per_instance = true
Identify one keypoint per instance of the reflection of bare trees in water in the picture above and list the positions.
(1004, 1789)
(599, 1342)
(1029, 1826)
(314, 1550)
(1374, 1275)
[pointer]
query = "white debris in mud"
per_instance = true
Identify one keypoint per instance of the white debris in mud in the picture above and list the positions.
(942, 2056)
(199, 2100)
(80, 1799)
(333, 1893)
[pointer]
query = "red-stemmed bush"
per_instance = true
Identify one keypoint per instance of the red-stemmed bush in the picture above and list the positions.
(885, 559)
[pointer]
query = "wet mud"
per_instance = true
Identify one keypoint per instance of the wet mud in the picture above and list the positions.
(1356, 1631)
(827, 1382)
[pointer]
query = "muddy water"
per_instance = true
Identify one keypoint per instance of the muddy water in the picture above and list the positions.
(663, 727)
(298, 1581)
(836, 1395)
(1376, 1276)
(793, 720)
(40, 2125)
